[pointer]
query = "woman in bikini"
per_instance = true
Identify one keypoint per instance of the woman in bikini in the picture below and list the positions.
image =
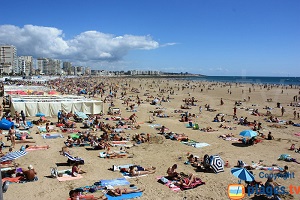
(120, 191)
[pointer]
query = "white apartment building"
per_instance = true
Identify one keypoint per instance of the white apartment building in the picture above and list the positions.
(8, 59)
(25, 65)
(48, 66)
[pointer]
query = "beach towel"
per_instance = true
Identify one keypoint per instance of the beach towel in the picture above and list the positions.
(52, 136)
(195, 184)
(118, 167)
(231, 139)
(114, 182)
(169, 184)
(127, 175)
(67, 177)
(84, 197)
(12, 180)
(34, 148)
(195, 144)
(154, 125)
(297, 134)
(42, 129)
(125, 196)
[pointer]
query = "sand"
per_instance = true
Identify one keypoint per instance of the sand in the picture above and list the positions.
(163, 153)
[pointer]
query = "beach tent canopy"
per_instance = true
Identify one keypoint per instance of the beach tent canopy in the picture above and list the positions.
(50, 105)
(5, 124)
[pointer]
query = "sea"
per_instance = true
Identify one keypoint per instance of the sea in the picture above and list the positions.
(260, 80)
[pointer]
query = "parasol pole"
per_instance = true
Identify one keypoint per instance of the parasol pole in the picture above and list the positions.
(1, 190)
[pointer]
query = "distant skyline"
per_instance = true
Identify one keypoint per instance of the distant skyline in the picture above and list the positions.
(210, 37)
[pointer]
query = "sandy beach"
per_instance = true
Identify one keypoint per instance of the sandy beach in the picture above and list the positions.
(163, 153)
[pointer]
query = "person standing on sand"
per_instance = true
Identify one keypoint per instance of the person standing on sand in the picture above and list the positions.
(234, 111)
(200, 109)
(282, 111)
(222, 102)
(12, 136)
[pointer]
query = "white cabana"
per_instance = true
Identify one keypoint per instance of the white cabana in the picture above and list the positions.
(50, 105)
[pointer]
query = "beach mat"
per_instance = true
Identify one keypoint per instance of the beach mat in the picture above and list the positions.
(125, 196)
(34, 148)
(67, 177)
(12, 180)
(127, 175)
(52, 136)
(114, 182)
(196, 144)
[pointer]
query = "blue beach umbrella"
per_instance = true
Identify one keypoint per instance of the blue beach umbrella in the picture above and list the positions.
(242, 174)
(248, 133)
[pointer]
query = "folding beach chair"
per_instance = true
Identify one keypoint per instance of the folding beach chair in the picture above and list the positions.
(72, 160)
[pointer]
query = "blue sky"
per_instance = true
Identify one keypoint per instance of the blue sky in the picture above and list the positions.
(211, 37)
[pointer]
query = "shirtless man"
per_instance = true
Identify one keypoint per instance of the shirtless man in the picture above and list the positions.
(12, 135)
(30, 174)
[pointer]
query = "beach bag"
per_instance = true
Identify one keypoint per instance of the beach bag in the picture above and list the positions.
(163, 180)
(240, 163)
(54, 172)
(5, 186)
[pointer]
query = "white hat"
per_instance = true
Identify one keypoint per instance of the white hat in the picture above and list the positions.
(30, 167)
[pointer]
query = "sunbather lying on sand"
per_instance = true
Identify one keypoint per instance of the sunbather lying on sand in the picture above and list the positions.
(208, 129)
(120, 191)
(226, 135)
(137, 171)
(186, 181)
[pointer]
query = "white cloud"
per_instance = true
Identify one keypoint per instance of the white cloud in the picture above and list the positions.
(87, 47)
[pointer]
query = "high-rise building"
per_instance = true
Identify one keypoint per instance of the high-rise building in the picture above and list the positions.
(67, 67)
(25, 65)
(8, 59)
(48, 66)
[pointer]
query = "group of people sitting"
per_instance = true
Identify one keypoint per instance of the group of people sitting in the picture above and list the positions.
(181, 179)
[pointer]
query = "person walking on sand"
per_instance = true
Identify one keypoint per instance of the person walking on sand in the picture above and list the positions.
(222, 102)
(200, 109)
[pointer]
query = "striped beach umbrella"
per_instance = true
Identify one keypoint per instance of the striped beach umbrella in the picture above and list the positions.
(216, 163)
(242, 174)
(12, 156)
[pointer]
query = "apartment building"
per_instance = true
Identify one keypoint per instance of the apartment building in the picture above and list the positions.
(8, 59)
(25, 65)
(49, 66)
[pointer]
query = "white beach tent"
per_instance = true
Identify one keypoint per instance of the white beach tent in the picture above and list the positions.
(50, 105)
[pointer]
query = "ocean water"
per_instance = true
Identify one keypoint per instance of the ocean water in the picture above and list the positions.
(249, 79)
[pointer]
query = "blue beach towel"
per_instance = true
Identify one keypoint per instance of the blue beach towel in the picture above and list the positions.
(125, 196)
(114, 182)
(52, 136)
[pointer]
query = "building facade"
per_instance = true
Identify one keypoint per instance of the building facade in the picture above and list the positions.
(25, 65)
(8, 59)
(48, 66)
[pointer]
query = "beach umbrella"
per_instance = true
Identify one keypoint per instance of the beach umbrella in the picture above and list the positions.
(216, 163)
(242, 174)
(12, 156)
(40, 114)
(248, 133)
(52, 92)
